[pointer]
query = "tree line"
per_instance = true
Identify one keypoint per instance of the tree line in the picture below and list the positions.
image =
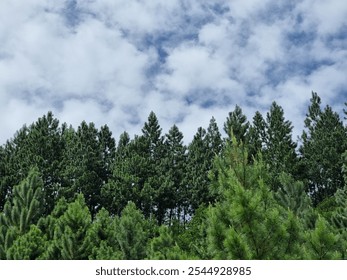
(69, 193)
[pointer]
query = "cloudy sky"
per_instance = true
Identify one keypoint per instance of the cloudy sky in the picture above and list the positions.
(113, 61)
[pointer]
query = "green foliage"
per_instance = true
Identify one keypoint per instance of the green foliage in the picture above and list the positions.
(247, 223)
(29, 246)
(291, 194)
(70, 240)
(175, 162)
(322, 242)
(279, 152)
(23, 209)
(164, 247)
(39, 145)
(87, 162)
(132, 233)
(102, 235)
(324, 141)
(74, 194)
(237, 125)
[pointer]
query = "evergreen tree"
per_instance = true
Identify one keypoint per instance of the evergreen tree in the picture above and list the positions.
(198, 166)
(193, 240)
(175, 197)
(132, 233)
(102, 235)
(108, 152)
(164, 247)
(324, 142)
(152, 190)
(39, 145)
(118, 191)
(237, 125)
(246, 222)
(292, 195)
(70, 233)
(279, 152)
(85, 163)
(214, 139)
(257, 135)
(47, 225)
(29, 246)
(322, 243)
(3, 188)
(21, 211)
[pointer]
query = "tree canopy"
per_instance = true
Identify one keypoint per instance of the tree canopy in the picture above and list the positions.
(255, 193)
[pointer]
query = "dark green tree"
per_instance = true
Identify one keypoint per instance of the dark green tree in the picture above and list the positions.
(237, 125)
(3, 188)
(175, 196)
(39, 145)
(87, 162)
(152, 190)
(119, 190)
(323, 143)
(257, 135)
(214, 139)
(279, 152)
(198, 165)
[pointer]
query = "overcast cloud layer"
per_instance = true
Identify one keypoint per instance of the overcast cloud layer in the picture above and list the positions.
(114, 61)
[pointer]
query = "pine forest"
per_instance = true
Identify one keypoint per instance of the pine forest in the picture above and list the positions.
(76, 193)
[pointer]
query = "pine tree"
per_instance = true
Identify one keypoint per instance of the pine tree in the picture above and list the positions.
(85, 163)
(102, 235)
(198, 166)
(291, 194)
(237, 125)
(116, 193)
(247, 222)
(3, 188)
(21, 211)
(214, 139)
(39, 145)
(70, 233)
(152, 188)
(193, 240)
(164, 247)
(108, 152)
(324, 142)
(257, 135)
(132, 233)
(322, 243)
(175, 195)
(279, 152)
(29, 246)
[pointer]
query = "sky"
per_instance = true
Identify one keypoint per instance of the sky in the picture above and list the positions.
(114, 61)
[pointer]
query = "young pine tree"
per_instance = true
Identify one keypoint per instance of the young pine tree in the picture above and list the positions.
(70, 240)
(21, 211)
(247, 222)
(132, 233)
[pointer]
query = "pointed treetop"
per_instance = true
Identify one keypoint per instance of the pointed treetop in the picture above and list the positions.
(237, 124)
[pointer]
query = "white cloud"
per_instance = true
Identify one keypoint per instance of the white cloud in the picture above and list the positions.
(327, 17)
(115, 61)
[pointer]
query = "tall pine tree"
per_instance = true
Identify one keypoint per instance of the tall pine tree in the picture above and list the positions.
(323, 143)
